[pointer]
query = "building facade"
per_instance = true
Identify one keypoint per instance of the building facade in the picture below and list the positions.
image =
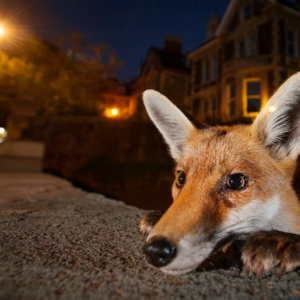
(249, 53)
(164, 70)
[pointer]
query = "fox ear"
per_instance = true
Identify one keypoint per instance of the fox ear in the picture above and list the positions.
(170, 121)
(278, 124)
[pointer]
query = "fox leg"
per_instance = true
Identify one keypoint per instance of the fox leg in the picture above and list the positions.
(265, 250)
(147, 223)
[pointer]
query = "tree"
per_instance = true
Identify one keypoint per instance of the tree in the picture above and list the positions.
(63, 79)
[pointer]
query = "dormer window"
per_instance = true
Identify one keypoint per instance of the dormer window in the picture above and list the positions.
(292, 43)
(246, 11)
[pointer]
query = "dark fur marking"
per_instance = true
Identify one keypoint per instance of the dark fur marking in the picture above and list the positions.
(290, 118)
(222, 132)
(226, 254)
(281, 249)
(152, 218)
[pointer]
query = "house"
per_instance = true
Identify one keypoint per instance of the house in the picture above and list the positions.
(164, 70)
(248, 54)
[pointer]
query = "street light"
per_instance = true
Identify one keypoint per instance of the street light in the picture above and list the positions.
(112, 112)
(2, 30)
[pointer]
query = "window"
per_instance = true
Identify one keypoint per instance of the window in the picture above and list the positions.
(247, 12)
(196, 106)
(215, 68)
(205, 108)
(197, 73)
(207, 70)
(253, 94)
(229, 51)
(214, 108)
(251, 45)
(292, 43)
(241, 48)
(231, 94)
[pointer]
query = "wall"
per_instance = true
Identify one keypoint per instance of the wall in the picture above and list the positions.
(125, 160)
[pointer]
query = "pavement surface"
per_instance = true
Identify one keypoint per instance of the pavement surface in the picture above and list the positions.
(59, 242)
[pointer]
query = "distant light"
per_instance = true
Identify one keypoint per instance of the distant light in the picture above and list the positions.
(2, 30)
(3, 134)
(114, 112)
(272, 108)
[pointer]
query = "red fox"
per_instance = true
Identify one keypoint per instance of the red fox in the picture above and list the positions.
(229, 181)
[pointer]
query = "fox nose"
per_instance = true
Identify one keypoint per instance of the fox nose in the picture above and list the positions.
(159, 252)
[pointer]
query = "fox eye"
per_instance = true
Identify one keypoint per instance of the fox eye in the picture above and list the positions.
(180, 180)
(237, 181)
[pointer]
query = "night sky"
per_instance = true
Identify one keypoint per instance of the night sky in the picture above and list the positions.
(129, 26)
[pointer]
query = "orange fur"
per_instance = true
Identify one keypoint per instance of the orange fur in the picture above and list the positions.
(205, 208)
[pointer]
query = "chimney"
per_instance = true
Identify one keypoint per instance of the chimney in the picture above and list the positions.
(212, 26)
(173, 44)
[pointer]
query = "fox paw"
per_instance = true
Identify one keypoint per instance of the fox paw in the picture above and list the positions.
(147, 223)
(265, 251)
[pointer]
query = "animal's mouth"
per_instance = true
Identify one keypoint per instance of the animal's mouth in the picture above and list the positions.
(179, 271)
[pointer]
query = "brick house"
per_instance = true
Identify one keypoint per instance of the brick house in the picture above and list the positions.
(247, 55)
(165, 70)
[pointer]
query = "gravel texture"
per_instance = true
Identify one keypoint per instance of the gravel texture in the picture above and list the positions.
(59, 242)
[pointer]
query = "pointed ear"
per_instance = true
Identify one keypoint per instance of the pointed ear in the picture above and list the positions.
(278, 124)
(170, 121)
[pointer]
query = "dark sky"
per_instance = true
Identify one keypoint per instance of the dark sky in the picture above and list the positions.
(129, 26)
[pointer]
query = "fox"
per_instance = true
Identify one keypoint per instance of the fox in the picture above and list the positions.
(231, 183)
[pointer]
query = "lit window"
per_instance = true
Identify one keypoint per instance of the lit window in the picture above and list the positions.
(292, 43)
(253, 92)
(231, 98)
(251, 45)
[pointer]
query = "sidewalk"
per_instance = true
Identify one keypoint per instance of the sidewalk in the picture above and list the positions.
(59, 242)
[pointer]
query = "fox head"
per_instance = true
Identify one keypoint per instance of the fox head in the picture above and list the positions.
(228, 180)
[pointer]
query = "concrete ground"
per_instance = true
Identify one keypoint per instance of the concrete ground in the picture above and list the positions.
(59, 242)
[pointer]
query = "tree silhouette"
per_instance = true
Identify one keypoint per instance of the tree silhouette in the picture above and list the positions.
(65, 78)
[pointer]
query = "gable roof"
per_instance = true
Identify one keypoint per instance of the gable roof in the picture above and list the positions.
(233, 6)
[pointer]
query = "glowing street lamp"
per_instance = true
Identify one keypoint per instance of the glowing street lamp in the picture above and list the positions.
(112, 112)
(2, 30)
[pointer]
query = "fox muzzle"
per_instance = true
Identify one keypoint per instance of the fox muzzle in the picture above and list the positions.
(159, 251)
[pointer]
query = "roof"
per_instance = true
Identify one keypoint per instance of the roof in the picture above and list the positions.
(290, 4)
(232, 6)
(168, 59)
(207, 42)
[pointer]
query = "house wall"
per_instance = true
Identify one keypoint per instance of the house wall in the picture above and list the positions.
(252, 49)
